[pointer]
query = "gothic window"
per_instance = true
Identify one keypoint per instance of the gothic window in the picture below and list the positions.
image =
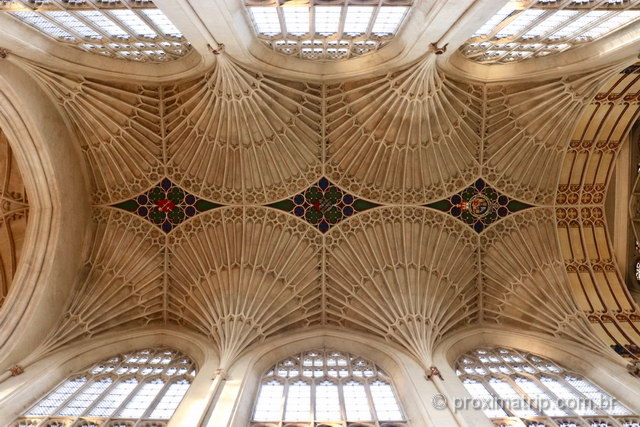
(133, 30)
(511, 385)
(327, 31)
(140, 386)
(523, 30)
(326, 386)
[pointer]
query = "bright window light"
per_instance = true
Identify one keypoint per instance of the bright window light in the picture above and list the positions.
(328, 19)
(544, 27)
(298, 402)
(317, 29)
(135, 24)
(389, 19)
(296, 20)
(520, 23)
(105, 24)
(161, 21)
(551, 23)
(73, 24)
(495, 20)
(42, 24)
(265, 20)
(357, 20)
(108, 29)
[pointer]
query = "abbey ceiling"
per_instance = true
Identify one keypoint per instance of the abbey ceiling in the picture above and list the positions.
(247, 239)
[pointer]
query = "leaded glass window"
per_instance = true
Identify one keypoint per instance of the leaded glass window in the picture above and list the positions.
(513, 386)
(319, 30)
(133, 30)
(326, 386)
(534, 28)
(145, 385)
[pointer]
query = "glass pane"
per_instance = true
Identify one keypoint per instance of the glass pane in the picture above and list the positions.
(327, 402)
(139, 404)
(98, 19)
(134, 23)
(357, 20)
(298, 402)
(161, 21)
(543, 400)
(328, 19)
(270, 398)
(86, 397)
(389, 19)
(265, 20)
(57, 397)
(385, 402)
(518, 406)
(44, 25)
(602, 400)
(490, 406)
(570, 398)
(73, 24)
(113, 399)
(296, 20)
(171, 399)
(356, 402)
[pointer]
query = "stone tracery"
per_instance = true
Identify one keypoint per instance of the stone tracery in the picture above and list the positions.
(215, 136)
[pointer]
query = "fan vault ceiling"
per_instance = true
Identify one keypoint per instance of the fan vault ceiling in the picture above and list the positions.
(253, 262)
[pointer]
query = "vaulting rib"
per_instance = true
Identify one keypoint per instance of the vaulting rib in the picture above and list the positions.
(123, 284)
(524, 282)
(238, 136)
(239, 275)
(591, 259)
(405, 274)
(407, 137)
(528, 128)
(118, 127)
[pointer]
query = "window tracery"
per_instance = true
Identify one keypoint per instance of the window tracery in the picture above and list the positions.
(535, 28)
(133, 30)
(321, 31)
(514, 386)
(127, 390)
(326, 386)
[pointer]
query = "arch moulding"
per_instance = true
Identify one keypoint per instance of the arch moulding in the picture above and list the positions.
(44, 149)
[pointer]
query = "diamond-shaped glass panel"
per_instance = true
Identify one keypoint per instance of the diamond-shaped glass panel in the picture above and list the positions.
(479, 205)
(166, 205)
(323, 205)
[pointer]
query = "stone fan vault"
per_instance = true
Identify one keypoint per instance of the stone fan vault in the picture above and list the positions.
(241, 205)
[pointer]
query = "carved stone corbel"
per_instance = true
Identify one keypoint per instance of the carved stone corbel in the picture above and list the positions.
(434, 372)
(16, 370)
(217, 51)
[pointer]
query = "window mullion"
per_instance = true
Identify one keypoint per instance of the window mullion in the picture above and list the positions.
(343, 405)
(374, 413)
(579, 394)
(158, 398)
(114, 383)
(551, 394)
(285, 399)
(70, 398)
(126, 401)
(312, 396)
(525, 397)
(496, 395)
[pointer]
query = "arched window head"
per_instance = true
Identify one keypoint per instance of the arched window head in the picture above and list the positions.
(513, 387)
(127, 390)
(326, 386)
